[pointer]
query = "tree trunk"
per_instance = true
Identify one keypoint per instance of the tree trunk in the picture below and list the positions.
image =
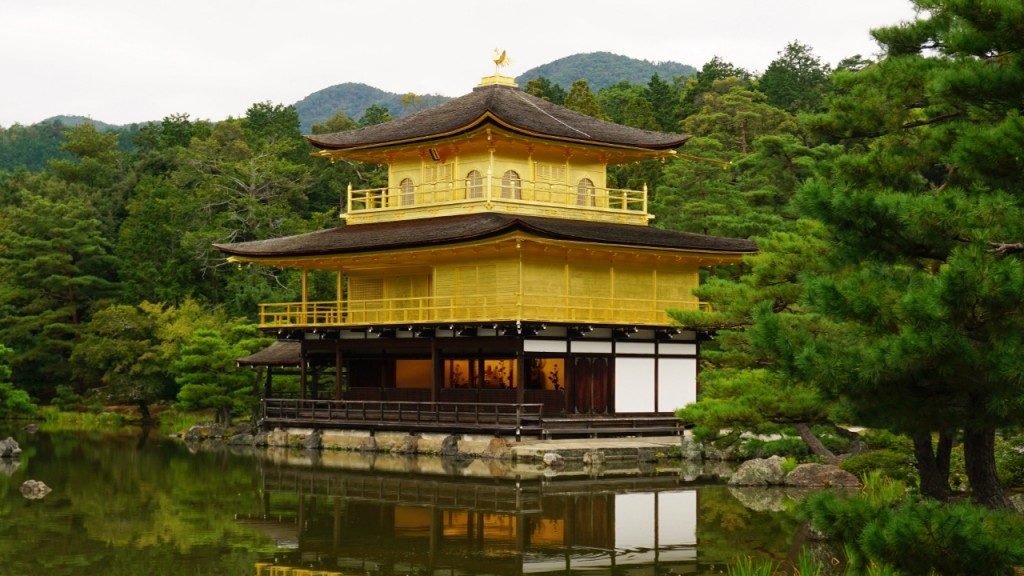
(943, 451)
(980, 462)
(815, 445)
(934, 484)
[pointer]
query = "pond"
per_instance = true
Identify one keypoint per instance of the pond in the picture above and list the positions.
(131, 504)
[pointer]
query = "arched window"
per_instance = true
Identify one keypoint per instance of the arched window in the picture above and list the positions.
(408, 192)
(474, 184)
(585, 192)
(511, 185)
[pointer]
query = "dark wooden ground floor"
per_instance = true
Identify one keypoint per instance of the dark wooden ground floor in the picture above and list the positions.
(537, 381)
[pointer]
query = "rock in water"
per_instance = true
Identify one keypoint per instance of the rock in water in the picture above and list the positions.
(9, 448)
(34, 489)
(759, 472)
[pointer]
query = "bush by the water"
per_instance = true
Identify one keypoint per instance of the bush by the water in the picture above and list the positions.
(881, 523)
(66, 399)
(15, 403)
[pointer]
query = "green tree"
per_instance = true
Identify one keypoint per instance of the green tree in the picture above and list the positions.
(639, 113)
(337, 123)
(97, 172)
(747, 381)
(14, 402)
(665, 103)
(239, 191)
(542, 87)
(736, 115)
(614, 99)
(701, 83)
(55, 269)
(159, 146)
(155, 263)
(796, 81)
(373, 115)
(700, 196)
(209, 376)
(926, 214)
(331, 179)
(582, 100)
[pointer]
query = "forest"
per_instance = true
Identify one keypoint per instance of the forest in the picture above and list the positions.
(886, 197)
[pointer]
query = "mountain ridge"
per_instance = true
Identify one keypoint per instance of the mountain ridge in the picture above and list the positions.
(599, 69)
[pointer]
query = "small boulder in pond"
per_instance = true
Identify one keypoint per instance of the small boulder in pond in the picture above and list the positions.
(9, 448)
(34, 489)
(821, 476)
(759, 472)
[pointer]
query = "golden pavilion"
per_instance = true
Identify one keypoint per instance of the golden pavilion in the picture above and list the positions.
(496, 283)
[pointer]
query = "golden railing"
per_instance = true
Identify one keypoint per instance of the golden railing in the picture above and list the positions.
(496, 190)
(472, 308)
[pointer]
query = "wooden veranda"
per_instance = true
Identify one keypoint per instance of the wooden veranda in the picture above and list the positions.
(458, 418)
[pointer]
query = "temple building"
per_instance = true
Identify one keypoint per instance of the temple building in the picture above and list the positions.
(496, 282)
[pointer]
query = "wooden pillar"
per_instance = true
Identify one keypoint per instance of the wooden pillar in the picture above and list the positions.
(338, 381)
(302, 376)
(267, 383)
(437, 373)
(520, 382)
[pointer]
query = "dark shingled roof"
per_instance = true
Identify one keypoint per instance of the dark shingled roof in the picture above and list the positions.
(512, 107)
(453, 229)
(280, 353)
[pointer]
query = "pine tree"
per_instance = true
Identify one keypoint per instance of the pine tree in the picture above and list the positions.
(927, 217)
(55, 269)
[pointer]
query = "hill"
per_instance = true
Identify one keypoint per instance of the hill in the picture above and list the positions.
(353, 99)
(72, 121)
(31, 147)
(604, 69)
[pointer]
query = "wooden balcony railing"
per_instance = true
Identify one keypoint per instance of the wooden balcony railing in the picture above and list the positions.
(495, 191)
(472, 308)
(524, 418)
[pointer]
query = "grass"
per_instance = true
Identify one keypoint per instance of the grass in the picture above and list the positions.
(53, 418)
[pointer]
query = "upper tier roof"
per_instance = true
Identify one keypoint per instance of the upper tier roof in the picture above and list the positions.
(463, 228)
(506, 106)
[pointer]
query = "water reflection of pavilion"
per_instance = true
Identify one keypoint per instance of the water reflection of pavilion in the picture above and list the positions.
(341, 521)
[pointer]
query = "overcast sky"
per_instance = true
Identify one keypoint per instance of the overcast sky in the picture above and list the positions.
(124, 61)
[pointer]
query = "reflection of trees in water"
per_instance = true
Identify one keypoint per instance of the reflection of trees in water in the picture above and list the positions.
(121, 506)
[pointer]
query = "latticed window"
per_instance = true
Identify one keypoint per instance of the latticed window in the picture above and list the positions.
(474, 184)
(363, 289)
(408, 192)
(438, 173)
(551, 172)
(511, 185)
(585, 192)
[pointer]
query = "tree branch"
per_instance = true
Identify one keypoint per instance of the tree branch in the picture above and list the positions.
(1006, 248)
(935, 120)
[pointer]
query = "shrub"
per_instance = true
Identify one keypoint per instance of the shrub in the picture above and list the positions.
(956, 539)
(882, 523)
(1010, 461)
(831, 439)
(66, 399)
(785, 446)
(888, 463)
(885, 439)
(14, 402)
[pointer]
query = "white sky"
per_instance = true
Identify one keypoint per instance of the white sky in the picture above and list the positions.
(124, 61)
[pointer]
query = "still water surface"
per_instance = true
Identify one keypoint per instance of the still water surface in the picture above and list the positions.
(129, 504)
